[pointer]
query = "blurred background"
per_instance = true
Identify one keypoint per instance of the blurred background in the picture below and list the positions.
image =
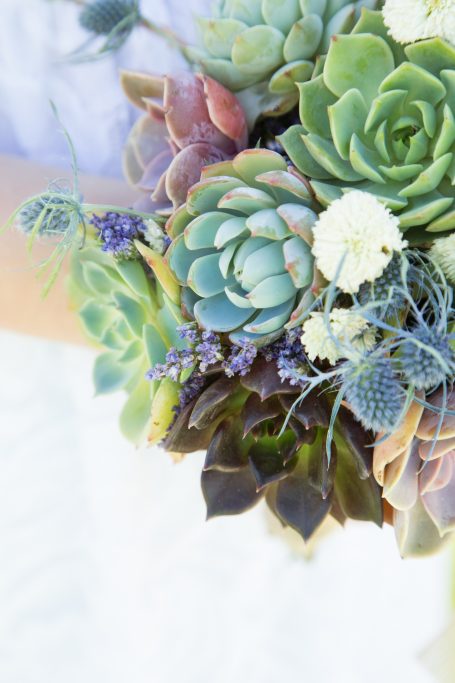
(108, 570)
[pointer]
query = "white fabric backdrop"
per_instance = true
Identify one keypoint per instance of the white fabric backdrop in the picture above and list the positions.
(108, 571)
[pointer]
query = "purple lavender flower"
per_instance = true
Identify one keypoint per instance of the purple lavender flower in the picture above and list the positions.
(241, 359)
(190, 389)
(209, 350)
(117, 233)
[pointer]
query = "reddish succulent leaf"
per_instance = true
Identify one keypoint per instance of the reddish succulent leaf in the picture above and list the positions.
(359, 498)
(358, 440)
(267, 464)
(311, 412)
(212, 402)
(228, 450)
(154, 172)
(256, 411)
(138, 86)
(299, 503)
(185, 170)
(229, 493)
(264, 380)
(181, 439)
(225, 111)
(187, 115)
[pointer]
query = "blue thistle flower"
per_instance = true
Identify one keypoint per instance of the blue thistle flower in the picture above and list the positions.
(428, 362)
(374, 392)
(387, 288)
(103, 16)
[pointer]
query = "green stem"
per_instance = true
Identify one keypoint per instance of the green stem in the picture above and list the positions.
(91, 208)
(166, 33)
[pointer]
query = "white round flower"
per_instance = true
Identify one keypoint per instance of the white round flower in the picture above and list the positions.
(332, 342)
(355, 239)
(443, 254)
(412, 20)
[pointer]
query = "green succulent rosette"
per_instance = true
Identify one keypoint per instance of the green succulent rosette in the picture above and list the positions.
(381, 118)
(241, 247)
(135, 320)
(264, 47)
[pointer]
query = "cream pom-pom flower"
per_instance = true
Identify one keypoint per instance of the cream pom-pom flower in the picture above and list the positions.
(412, 20)
(443, 254)
(355, 239)
(346, 330)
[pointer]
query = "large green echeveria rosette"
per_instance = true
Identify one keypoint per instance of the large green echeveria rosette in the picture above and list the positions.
(131, 317)
(242, 247)
(262, 48)
(381, 118)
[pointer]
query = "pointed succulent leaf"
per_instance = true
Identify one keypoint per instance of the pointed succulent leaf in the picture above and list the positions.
(264, 380)
(161, 270)
(163, 410)
(229, 493)
(211, 403)
(228, 449)
(298, 502)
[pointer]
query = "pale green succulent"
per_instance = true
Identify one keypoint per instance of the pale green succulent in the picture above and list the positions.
(132, 316)
(242, 247)
(265, 47)
(381, 118)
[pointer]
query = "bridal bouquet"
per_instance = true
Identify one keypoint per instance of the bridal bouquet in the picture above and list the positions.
(281, 295)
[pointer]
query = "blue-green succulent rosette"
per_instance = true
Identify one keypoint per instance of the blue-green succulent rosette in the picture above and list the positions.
(294, 318)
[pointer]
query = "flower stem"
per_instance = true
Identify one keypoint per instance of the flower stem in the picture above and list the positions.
(165, 33)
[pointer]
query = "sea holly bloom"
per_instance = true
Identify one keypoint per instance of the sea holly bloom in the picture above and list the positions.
(381, 119)
(262, 48)
(191, 121)
(416, 467)
(412, 20)
(242, 248)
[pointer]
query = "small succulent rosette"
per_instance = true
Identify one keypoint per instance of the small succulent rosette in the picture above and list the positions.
(191, 121)
(260, 49)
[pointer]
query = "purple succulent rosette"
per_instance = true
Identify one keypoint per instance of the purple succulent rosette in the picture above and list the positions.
(191, 122)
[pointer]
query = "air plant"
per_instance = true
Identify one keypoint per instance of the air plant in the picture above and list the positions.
(60, 212)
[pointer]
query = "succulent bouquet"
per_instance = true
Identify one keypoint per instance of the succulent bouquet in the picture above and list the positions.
(281, 296)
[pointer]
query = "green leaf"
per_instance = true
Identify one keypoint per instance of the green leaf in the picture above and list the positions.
(132, 312)
(303, 38)
(96, 319)
(358, 61)
(135, 416)
(219, 314)
(292, 141)
(110, 374)
(281, 14)
(219, 35)
(258, 50)
(201, 232)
